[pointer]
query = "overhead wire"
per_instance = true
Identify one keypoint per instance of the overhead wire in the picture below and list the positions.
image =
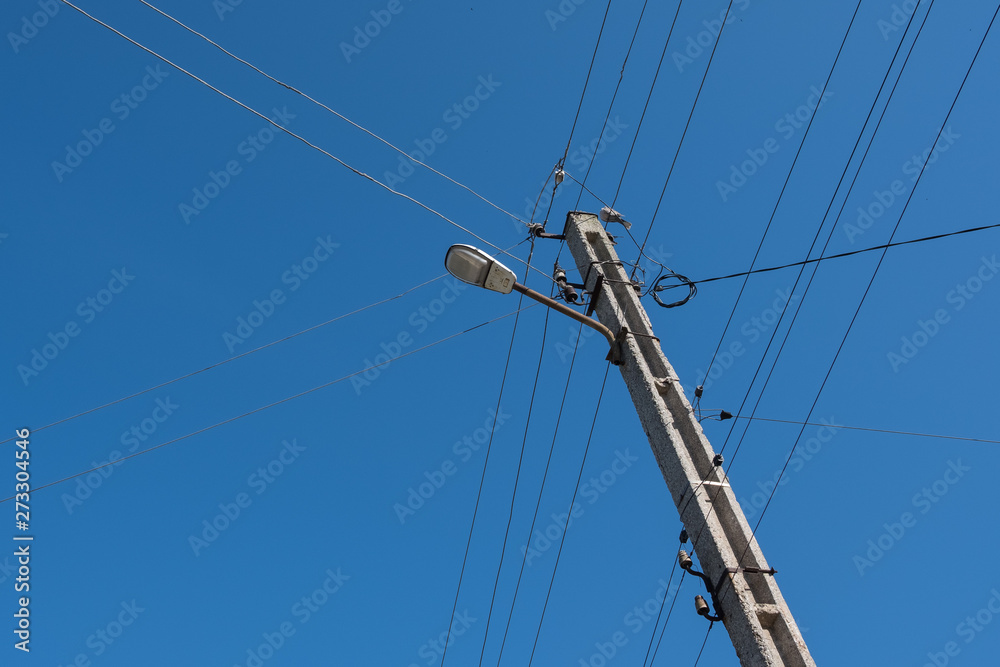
(872, 430)
(614, 96)
(569, 512)
(231, 359)
(791, 170)
(649, 96)
(687, 125)
(482, 479)
(867, 289)
(517, 479)
(833, 198)
(656, 623)
(299, 137)
(334, 112)
(666, 621)
(275, 403)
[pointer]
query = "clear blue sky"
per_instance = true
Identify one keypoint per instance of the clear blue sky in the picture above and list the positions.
(153, 228)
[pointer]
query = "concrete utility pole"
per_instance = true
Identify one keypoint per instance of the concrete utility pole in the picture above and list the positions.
(759, 622)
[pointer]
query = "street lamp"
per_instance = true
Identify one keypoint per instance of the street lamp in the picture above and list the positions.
(471, 265)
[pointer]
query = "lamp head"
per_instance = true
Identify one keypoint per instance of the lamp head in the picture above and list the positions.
(473, 266)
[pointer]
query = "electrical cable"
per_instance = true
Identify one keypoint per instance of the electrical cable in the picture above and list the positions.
(872, 430)
(687, 125)
(482, 479)
(642, 117)
(335, 113)
(848, 254)
(569, 512)
(784, 186)
(667, 620)
(234, 358)
(825, 246)
(274, 404)
(711, 624)
(517, 479)
(866, 292)
(541, 490)
(297, 136)
(621, 75)
(663, 602)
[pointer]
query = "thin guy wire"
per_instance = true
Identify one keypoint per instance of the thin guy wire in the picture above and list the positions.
(711, 624)
(226, 361)
(271, 405)
(335, 113)
(299, 137)
(873, 430)
(667, 620)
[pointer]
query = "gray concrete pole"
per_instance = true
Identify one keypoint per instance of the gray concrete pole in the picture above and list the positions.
(759, 622)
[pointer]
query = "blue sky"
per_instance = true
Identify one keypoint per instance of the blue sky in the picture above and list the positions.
(154, 228)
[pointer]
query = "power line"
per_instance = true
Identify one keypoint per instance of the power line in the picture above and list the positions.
(663, 603)
(234, 358)
(784, 186)
(621, 75)
(569, 513)
(299, 137)
(848, 254)
(872, 430)
(870, 283)
(517, 479)
(826, 244)
(276, 403)
(335, 113)
(667, 620)
(711, 624)
(482, 479)
(642, 117)
(541, 490)
(687, 125)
